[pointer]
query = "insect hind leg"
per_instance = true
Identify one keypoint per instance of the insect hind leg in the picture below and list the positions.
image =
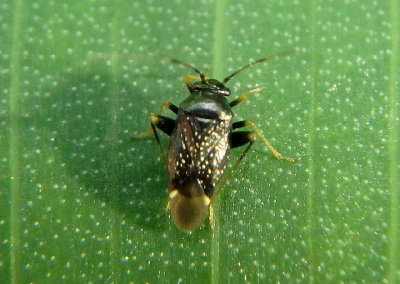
(240, 138)
(237, 139)
(277, 155)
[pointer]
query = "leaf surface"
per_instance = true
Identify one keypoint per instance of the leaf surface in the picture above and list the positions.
(80, 202)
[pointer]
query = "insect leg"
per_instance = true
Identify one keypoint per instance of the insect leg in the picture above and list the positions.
(243, 97)
(187, 78)
(163, 105)
(167, 208)
(166, 125)
(262, 137)
(237, 139)
(169, 105)
(240, 138)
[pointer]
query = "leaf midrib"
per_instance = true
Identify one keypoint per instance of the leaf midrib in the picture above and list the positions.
(14, 140)
(219, 43)
(393, 144)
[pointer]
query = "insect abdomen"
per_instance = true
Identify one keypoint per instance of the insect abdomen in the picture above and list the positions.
(189, 205)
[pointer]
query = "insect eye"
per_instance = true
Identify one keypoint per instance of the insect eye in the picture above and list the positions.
(224, 92)
(215, 84)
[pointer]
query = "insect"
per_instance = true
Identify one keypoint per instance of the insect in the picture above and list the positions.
(201, 137)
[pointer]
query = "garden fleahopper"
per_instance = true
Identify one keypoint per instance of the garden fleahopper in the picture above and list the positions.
(201, 136)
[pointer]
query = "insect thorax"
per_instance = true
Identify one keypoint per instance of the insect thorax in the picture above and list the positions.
(207, 105)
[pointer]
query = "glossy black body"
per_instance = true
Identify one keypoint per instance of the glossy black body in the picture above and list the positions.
(199, 144)
(198, 151)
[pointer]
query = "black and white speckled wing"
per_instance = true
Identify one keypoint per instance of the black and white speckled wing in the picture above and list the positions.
(204, 150)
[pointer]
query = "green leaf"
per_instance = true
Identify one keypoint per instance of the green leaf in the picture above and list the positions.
(80, 202)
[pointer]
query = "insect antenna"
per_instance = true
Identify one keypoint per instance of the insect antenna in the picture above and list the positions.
(176, 61)
(256, 62)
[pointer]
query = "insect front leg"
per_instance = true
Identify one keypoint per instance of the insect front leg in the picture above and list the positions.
(187, 78)
(277, 155)
(243, 97)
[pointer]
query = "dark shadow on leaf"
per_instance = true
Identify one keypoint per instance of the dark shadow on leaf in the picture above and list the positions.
(94, 111)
